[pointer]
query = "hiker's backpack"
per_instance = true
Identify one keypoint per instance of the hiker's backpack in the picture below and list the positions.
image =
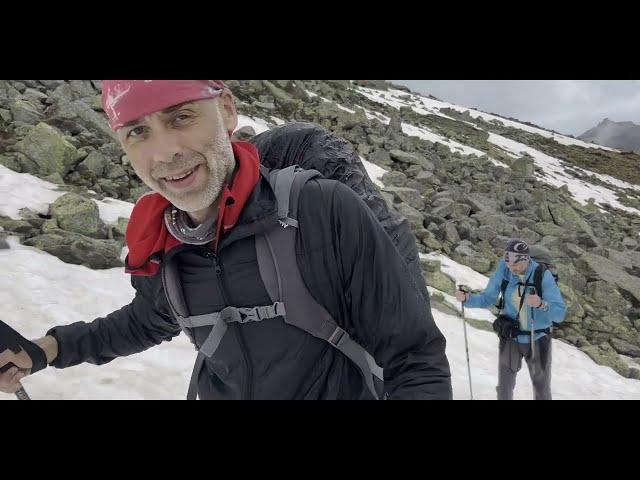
(545, 262)
(313, 147)
(293, 154)
(292, 301)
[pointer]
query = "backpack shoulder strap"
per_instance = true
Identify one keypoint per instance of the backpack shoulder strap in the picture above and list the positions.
(538, 275)
(279, 270)
(287, 184)
(173, 290)
(503, 289)
(175, 298)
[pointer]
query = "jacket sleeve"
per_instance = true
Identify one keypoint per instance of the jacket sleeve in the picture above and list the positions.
(489, 295)
(552, 295)
(383, 309)
(132, 329)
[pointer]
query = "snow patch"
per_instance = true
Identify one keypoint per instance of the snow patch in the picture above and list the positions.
(258, 124)
(374, 171)
(555, 174)
(20, 190)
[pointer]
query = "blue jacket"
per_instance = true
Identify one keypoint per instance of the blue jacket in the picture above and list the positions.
(541, 319)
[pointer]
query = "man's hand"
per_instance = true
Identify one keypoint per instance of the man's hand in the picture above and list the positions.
(22, 363)
(462, 296)
(534, 301)
(10, 380)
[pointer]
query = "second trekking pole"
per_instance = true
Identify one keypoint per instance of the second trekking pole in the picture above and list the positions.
(465, 290)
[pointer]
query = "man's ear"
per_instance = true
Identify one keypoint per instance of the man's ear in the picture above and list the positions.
(228, 110)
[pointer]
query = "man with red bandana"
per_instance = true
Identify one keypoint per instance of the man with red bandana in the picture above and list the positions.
(209, 201)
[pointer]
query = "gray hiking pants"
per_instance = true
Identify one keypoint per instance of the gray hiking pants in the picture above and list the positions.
(511, 353)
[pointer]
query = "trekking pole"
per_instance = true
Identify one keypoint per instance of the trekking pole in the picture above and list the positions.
(465, 290)
(532, 291)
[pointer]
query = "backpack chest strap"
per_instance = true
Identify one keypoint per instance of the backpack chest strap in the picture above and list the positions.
(220, 320)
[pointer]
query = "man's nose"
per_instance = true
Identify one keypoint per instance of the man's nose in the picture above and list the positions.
(167, 148)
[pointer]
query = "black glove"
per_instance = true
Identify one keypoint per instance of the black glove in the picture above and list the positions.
(12, 340)
(505, 327)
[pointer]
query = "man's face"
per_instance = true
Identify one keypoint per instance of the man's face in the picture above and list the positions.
(184, 152)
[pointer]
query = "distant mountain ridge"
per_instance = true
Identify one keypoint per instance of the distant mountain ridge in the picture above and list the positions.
(621, 135)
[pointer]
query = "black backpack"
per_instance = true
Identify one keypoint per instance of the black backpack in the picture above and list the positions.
(313, 147)
(292, 301)
(290, 156)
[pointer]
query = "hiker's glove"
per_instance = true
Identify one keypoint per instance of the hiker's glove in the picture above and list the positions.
(18, 351)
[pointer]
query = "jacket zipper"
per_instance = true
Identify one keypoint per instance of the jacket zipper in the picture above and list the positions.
(248, 391)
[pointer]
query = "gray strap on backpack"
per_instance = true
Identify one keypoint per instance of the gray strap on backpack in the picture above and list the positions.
(219, 321)
(286, 184)
(283, 281)
(192, 393)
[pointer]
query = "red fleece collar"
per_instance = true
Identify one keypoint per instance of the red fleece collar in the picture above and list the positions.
(147, 234)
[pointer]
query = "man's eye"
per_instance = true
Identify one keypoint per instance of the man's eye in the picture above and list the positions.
(135, 132)
(182, 118)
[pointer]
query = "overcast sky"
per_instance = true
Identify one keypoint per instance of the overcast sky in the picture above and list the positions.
(567, 106)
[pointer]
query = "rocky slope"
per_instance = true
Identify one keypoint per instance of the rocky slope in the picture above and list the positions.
(465, 180)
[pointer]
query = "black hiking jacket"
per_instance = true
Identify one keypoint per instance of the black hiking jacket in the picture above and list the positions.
(349, 265)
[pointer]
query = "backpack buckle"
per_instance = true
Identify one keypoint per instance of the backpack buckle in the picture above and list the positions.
(337, 337)
(288, 222)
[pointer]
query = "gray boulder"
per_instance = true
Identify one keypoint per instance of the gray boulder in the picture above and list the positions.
(77, 214)
(48, 150)
(79, 249)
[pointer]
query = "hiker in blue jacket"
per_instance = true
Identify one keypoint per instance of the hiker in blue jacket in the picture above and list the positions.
(530, 303)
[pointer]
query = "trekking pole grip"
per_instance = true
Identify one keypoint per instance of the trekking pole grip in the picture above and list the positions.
(22, 394)
(464, 289)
